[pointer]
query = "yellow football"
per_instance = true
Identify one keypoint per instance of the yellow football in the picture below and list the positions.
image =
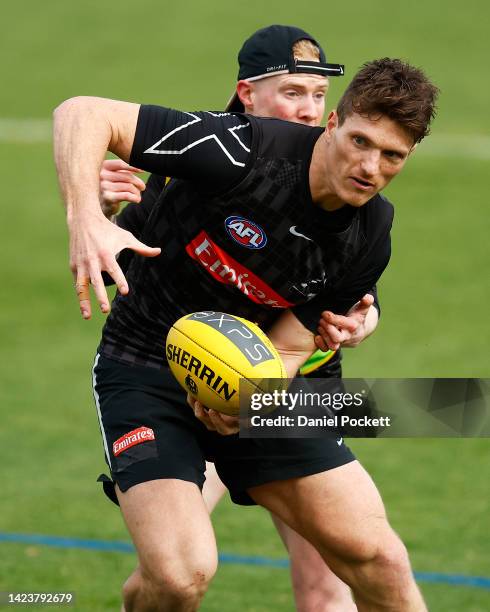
(209, 353)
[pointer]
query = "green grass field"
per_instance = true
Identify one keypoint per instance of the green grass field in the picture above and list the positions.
(434, 293)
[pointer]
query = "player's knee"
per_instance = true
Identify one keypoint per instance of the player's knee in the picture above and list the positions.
(392, 562)
(387, 573)
(183, 588)
(176, 584)
(379, 570)
(383, 550)
(187, 583)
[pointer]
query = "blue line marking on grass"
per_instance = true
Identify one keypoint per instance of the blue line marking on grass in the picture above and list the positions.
(457, 579)
(115, 546)
(110, 546)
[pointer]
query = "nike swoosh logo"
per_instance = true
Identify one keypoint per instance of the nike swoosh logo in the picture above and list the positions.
(293, 231)
(339, 441)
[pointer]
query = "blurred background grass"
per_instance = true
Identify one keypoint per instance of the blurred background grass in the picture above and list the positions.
(434, 293)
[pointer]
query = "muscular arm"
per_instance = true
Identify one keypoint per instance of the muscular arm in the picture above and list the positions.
(199, 146)
(292, 340)
(84, 129)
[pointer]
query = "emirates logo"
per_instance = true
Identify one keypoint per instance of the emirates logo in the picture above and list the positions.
(137, 436)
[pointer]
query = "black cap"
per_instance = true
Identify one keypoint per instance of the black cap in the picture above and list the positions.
(269, 52)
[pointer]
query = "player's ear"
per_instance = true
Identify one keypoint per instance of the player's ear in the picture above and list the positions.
(332, 122)
(245, 92)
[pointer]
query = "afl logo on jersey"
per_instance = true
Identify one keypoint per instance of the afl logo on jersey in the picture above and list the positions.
(245, 232)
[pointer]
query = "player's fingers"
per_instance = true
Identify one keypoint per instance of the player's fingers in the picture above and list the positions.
(82, 287)
(122, 176)
(224, 425)
(119, 185)
(117, 197)
(115, 272)
(339, 321)
(99, 289)
(332, 337)
(331, 332)
(141, 248)
(322, 344)
(134, 169)
(201, 414)
(367, 300)
(109, 175)
(364, 305)
(116, 165)
(136, 180)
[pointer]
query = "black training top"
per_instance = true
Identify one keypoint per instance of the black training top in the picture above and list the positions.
(238, 230)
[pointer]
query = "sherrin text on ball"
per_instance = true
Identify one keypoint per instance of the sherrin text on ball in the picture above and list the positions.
(209, 353)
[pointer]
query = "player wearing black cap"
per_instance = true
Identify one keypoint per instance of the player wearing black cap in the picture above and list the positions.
(276, 176)
(269, 52)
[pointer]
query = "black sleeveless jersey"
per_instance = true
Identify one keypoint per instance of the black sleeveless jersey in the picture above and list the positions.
(239, 232)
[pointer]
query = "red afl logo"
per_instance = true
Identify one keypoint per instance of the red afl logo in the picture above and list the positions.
(245, 232)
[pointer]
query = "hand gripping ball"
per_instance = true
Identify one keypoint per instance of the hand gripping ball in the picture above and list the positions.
(209, 353)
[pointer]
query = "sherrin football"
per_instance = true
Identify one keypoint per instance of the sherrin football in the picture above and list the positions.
(210, 352)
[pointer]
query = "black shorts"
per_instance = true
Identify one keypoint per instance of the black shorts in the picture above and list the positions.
(150, 432)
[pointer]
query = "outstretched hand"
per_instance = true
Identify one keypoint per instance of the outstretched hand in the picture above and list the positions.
(118, 183)
(94, 244)
(336, 331)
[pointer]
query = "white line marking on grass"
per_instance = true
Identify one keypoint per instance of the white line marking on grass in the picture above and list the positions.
(25, 131)
(463, 146)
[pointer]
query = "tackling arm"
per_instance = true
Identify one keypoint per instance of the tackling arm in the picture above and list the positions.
(293, 341)
(84, 129)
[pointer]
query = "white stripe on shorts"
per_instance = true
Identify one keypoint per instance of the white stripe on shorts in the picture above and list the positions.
(97, 405)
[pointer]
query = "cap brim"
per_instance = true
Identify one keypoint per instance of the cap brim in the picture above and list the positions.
(234, 105)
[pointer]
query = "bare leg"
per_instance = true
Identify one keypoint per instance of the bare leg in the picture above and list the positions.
(316, 588)
(213, 489)
(341, 513)
(170, 527)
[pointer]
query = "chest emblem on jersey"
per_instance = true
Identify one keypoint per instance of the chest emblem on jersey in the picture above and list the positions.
(247, 233)
(227, 270)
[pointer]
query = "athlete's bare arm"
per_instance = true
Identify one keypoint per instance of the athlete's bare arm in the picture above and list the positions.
(292, 340)
(84, 129)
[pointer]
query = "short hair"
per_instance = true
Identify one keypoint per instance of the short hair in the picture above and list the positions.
(395, 89)
(306, 50)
